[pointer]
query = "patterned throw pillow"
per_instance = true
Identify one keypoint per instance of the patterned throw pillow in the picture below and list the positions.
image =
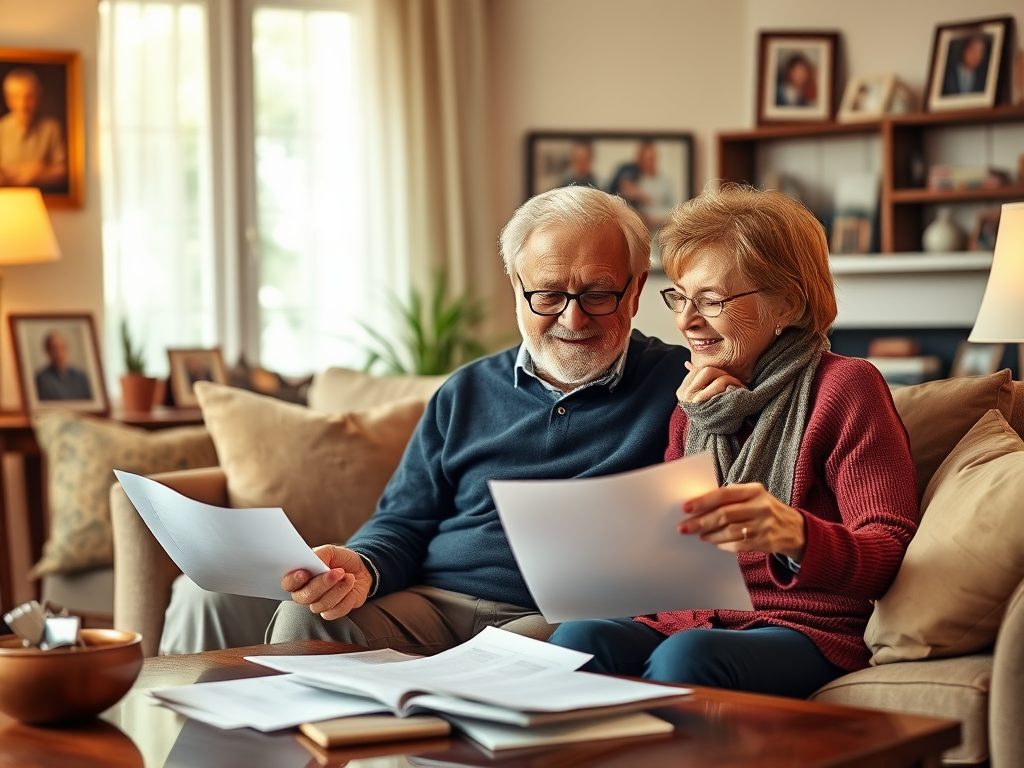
(81, 454)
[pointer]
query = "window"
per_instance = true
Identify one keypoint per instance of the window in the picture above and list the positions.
(231, 165)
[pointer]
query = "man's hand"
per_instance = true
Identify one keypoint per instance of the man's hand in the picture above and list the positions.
(701, 384)
(333, 594)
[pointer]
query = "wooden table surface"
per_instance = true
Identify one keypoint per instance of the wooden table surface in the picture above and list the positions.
(713, 728)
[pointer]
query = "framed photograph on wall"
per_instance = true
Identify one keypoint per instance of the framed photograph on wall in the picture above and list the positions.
(42, 132)
(653, 172)
(976, 359)
(970, 65)
(191, 365)
(796, 77)
(58, 362)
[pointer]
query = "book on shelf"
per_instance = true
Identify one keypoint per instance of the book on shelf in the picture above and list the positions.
(957, 177)
(908, 370)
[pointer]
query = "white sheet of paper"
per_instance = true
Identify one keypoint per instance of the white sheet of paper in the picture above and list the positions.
(263, 703)
(238, 551)
(609, 546)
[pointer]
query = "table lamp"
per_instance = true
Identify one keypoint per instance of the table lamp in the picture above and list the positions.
(26, 236)
(1001, 316)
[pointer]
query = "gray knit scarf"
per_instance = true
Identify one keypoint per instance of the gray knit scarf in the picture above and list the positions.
(777, 402)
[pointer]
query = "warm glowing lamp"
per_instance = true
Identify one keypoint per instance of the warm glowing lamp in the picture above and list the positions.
(1001, 317)
(26, 235)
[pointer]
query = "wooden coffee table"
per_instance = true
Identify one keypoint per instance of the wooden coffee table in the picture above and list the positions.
(713, 728)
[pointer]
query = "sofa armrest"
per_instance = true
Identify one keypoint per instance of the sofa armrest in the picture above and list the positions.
(1006, 702)
(143, 572)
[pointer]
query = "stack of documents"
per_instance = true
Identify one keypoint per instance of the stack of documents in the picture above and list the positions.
(491, 687)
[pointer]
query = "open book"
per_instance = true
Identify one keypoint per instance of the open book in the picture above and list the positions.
(497, 677)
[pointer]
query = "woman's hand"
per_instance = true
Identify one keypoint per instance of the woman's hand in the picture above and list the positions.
(746, 518)
(701, 384)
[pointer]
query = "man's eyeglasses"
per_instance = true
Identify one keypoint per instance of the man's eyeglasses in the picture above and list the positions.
(594, 303)
(708, 308)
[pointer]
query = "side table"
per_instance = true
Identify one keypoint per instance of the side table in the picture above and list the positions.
(17, 436)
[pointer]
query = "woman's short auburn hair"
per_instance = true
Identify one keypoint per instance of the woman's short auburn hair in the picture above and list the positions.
(777, 243)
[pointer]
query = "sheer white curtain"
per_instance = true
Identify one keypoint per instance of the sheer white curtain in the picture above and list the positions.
(427, 142)
(155, 131)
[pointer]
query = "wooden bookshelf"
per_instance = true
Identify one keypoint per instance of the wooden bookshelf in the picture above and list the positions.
(903, 138)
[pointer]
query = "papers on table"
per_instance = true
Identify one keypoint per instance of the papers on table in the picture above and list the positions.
(609, 546)
(238, 551)
(262, 703)
(497, 676)
(498, 738)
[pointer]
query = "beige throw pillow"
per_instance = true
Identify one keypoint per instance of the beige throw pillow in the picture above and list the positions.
(967, 557)
(343, 390)
(81, 454)
(326, 471)
(938, 414)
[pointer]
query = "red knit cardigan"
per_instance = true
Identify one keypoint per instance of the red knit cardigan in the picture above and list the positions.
(855, 486)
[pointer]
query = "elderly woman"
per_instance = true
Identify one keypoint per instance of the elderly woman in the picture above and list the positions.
(817, 495)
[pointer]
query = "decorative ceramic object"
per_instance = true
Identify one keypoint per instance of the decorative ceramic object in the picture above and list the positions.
(943, 235)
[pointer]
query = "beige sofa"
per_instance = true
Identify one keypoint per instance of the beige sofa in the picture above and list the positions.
(984, 690)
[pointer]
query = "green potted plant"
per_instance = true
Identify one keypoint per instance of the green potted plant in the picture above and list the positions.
(437, 334)
(137, 389)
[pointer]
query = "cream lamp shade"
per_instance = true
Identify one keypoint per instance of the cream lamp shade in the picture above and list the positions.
(1001, 317)
(26, 235)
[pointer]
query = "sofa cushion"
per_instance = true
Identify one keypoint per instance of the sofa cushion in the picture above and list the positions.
(81, 454)
(326, 471)
(342, 390)
(967, 558)
(953, 688)
(938, 414)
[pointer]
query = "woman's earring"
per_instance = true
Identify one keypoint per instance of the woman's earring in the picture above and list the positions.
(778, 330)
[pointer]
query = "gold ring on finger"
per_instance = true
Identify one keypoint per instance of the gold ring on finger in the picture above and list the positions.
(744, 532)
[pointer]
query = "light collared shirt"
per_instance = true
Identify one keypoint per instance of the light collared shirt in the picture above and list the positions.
(40, 142)
(611, 377)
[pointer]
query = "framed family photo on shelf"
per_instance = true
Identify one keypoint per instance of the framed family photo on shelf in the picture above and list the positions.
(970, 65)
(191, 365)
(42, 133)
(57, 362)
(976, 359)
(796, 80)
(653, 172)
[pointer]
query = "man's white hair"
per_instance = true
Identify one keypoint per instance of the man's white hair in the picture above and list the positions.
(580, 208)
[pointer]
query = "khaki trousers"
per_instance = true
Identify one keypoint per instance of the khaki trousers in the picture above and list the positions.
(420, 620)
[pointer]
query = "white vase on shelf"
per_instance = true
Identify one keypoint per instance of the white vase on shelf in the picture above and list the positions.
(943, 235)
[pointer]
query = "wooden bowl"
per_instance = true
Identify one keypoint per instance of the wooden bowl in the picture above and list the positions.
(68, 684)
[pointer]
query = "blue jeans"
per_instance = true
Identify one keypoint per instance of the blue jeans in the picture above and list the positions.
(764, 659)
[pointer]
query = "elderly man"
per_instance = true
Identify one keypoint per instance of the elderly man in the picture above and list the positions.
(60, 380)
(579, 397)
(32, 150)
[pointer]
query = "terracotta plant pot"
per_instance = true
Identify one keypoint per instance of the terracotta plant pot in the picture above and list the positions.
(137, 393)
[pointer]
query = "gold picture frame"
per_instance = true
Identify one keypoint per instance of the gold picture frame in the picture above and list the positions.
(55, 117)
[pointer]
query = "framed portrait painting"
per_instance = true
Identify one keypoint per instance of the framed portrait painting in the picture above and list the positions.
(58, 363)
(42, 135)
(866, 98)
(983, 235)
(970, 65)
(653, 172)
(796, 81)
(191, 365)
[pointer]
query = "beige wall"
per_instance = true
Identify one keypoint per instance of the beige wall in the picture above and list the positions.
(76, 281)
(675, 65)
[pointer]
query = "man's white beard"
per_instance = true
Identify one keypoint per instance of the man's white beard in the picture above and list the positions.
(566, 365)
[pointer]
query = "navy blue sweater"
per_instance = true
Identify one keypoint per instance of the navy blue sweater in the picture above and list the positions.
(436, 523)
